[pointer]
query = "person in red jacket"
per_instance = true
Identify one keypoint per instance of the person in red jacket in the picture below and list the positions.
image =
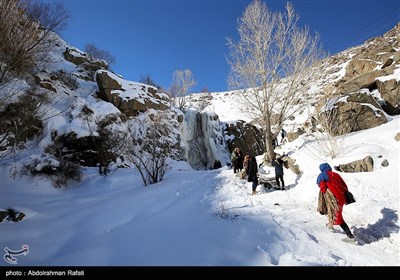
(330, 182)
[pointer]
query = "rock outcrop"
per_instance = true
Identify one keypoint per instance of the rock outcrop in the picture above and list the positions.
(247, 137)
(369, 67)
(85, 62)
(130, 98)
(353, 112)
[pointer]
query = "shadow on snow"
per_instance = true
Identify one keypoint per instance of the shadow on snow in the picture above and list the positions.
(381, 229)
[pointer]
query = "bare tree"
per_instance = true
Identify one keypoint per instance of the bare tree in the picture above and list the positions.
(332, 129)
(151, 146)
(270, 65)
(53, 17)
(25, 31)
(326, 144)
(148, 80)
(96, 53)
(182, 82)
(204, 98)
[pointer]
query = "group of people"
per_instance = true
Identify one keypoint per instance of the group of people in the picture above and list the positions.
(217, 164)
(247, 167)
(332, 187)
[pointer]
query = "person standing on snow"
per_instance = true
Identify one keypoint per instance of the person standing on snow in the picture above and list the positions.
(253, 174)
(283, 135)
(278, 164)
(237, 160)
(332, 191)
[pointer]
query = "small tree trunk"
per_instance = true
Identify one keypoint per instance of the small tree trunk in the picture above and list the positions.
(269, 149)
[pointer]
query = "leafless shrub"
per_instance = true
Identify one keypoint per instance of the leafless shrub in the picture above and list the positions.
(204, 100)
(25, 31)
(96, 53)
(327, 143)
(52, 17)
(225, 212)
(148, 80)
(151, 146)
(60, 172)
(110, 143)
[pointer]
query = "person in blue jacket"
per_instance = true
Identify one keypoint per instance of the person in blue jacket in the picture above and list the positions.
(278, 164)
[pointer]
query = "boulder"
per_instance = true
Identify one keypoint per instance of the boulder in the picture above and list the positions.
(11, 215)
(364, 165)
(357, 67)
(106, 83)
(74, 56)
(365, 80)
(363, 97)
(44, 81)
(390, 92)
(3, 215)
(291, 163)
(385, 163)
(82, 59)
(293, 135)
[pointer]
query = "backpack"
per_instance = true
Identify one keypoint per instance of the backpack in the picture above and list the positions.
(234, 156)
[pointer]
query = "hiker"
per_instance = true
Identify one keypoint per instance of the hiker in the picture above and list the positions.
(237, 160)
(253, 174)
(217, 164)
(274, 143)
(243, 174)
(240, 160)
(332, 197)
(283, 135)
(278, 164)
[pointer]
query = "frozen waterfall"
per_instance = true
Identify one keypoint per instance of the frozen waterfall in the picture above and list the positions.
(203, 137)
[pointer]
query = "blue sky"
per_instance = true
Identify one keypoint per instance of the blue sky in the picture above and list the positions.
(157, 37)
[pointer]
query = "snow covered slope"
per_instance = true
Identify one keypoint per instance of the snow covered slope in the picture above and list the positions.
(209, 217)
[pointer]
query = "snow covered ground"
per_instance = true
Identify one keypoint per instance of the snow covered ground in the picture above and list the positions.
(209, 218)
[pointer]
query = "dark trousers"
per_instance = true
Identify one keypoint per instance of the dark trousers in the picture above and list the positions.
(254, 186)
(280, 177)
